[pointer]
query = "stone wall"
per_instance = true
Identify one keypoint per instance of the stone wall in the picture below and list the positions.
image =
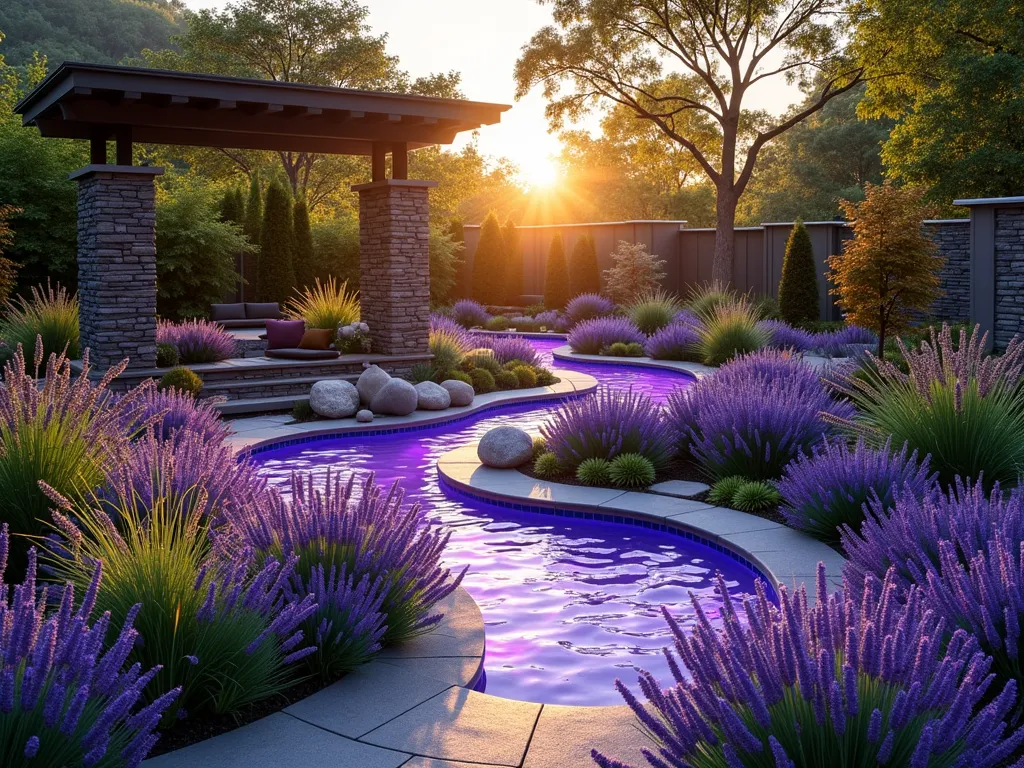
(1009, 275)
(117, 264)
(394, 263)
(953, 237)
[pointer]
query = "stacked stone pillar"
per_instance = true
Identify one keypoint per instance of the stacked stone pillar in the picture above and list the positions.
(394, 264)
(117, 264)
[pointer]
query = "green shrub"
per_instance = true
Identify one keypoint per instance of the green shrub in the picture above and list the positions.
(540, 445)
(584, 275)
(767, 308)
(756, 496)
(182, 379)
(277, 247)
(731, 330)
(722, 492)
(166, 356)
(304, 260)
(50, 314)
(704, 300)
(546, 378)
(594, 471)
(302, 410)
(513, 262)
(497, 323)
(422, 372)
(653, 311)
(482, 381)
(546, 465)
(489, 263)
(631, 470)
(622, 349)
(556, 276)
(485, 362)
(448, 348)
(798, 288)
(506, 380)
(525, 375)
(457, 376)
(324, 305)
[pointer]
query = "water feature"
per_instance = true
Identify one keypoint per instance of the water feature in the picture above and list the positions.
(569, 605)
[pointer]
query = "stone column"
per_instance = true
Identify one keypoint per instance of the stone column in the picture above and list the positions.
(394, 264)
(117, 264)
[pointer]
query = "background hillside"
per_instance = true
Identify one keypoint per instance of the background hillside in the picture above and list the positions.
(101, 31)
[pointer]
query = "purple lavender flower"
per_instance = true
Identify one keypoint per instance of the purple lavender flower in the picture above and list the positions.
(781, 335)
(448, 331)
(551, 319)
(507, 348)
(75, 698)
(170, 410)
(587, 306)
(830, 488)
(469, 313)
(673, 342)
(846, 342)
(372, 536)
(197, 341)
(606, 424)
(754, 415)
(797, 681)
(591, 336)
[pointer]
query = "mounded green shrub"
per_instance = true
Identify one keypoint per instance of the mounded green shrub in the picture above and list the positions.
(556, 276)
(525, 375)
(457, 376)
(594, 471)
(653, 311)
(422, 372)
(482, 381)
(584, 275)
(631, 470)
(497, 323)
(756, 496)
(546, 378)
(486, 362)
(302, 410)
(183, 379)
(722, 492)
(798, 288)
(166, 356)
(546, 465)
(622, 349)
(489, 263)
(540, 445)
(506, 380)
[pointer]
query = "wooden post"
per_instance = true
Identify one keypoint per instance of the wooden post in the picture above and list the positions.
(98, 149)
(123, 137)
(377, 160)
(399, 160)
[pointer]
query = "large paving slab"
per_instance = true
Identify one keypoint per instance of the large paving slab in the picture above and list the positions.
(462, 725)
(452, 670)
(565, 735)
(681, 488)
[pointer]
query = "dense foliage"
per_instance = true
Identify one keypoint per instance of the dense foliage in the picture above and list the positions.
(327, 305)
(798, 288)
(634, 272)
(584, 275)
(556, 275)
(489, 263)
(592, 336)
(196, 341)
(47, 317)
(277, 246)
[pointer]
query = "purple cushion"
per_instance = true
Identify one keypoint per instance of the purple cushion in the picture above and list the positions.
(285, 334)
(265, 311)
(227, 312)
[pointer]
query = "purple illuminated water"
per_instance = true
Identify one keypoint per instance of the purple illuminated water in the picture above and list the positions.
(569, 605)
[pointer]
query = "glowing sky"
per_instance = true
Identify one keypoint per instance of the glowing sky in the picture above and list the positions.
(481, 39)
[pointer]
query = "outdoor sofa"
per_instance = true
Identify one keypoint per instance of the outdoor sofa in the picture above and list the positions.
(247, 315)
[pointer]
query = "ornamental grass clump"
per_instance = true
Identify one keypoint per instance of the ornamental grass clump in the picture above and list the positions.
(327, 305)
(754, 416)
(66, 698)
(844, 683)
(608, 423)
(64, 431)
(594, 472)
(730, 330)
(676, 341)
(220, 626)
(364, 529)
(469, 313)
(591, 336)
(631, 470)
(830, 488)
(958, 404)
(704, 300)
(48, 317)
(652, 311)
(197, 341)
(508, 348)
(449, 342)
(587, 306)
(756, 496)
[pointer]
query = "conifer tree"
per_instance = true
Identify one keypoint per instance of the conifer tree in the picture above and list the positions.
(251, 228)
(232, 206)
(489, 263)
(463, 278)
(584, 276)
(277, 243)
(304, 266)
(556, 276)
(798, 288)
(513, 262)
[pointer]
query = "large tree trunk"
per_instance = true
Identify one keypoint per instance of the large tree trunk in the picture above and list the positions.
(725, 236)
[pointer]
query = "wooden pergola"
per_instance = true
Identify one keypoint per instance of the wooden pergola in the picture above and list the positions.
(116, 250)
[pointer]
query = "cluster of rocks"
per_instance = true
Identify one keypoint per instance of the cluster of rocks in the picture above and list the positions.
(376, 392)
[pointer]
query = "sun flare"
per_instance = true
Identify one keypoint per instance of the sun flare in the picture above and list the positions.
(541, 172)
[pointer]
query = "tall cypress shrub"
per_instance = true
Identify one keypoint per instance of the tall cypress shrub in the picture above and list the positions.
(798, 289)
(513, 262)
(556, 276)
(463, 279)
(489, 263)
(584, 276)
(232, 211)
(251, 228)
(277, 242)
(304, 260)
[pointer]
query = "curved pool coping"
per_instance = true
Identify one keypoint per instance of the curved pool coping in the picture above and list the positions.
(782, 555)
(696, 370)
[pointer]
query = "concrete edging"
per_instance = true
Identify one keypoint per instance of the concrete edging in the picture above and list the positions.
(696, 370)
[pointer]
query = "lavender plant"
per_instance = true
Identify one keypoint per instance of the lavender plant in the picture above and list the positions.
(552, 319)
(197, 341)
(831, 487)
(226, 637)
(170, 410)
(469, 313)
(65, 695)
(373, 536)
(587, 306)
(676, 341)
(449, 342)
(960, 405)
(591, 336)
(842, 683)
(846, 342)
(781, 335)
(754, 416)
(606, 424)
(508, 348)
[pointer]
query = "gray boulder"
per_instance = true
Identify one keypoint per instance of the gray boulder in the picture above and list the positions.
(396, 398)
(371, 381)
(334, 399)
(461, 393)
(432, 397)
(364, 416)
(505, 447)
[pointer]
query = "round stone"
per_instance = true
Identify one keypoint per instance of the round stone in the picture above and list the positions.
(371, 381)
(396, 398)
(364, 416)
(432, 397)
(461, 393)
(505, 447)
(334, 399)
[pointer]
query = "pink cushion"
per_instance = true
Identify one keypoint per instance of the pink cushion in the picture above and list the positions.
(284, 334)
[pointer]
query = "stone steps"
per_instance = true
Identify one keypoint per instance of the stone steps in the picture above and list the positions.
(243, 389)
(259, 405)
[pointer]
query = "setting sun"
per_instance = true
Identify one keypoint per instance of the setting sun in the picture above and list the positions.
(540, 172)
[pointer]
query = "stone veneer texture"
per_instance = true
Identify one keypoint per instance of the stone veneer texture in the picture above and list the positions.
(117, 268)
(954, 241)
(394, 264)
(1009, 298)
